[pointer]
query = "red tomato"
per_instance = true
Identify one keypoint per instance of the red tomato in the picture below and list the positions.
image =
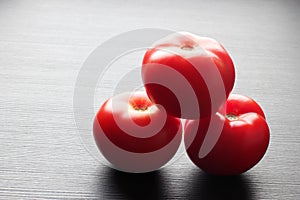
(134, 135)
(187, 74)
(241, 144)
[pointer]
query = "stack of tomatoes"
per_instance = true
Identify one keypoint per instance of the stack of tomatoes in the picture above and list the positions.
(185, 77)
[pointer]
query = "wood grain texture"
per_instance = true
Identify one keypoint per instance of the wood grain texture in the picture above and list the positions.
(43, 45)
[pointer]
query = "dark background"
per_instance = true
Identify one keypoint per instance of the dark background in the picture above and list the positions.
(43, 45)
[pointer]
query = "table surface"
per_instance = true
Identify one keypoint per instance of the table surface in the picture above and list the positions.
(43, 45)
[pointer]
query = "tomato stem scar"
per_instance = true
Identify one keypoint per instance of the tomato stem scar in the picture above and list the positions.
(140, 108)
(187, 47)
(232, 117)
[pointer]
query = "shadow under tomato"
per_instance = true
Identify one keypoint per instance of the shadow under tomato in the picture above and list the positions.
(135, 186)
(205, 186)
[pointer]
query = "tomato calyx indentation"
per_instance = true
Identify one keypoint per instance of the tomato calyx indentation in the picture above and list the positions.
(140, 104)
(232, 117)
(140, 108)
(187, 47)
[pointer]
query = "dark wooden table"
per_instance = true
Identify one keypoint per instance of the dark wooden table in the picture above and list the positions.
(43, 45)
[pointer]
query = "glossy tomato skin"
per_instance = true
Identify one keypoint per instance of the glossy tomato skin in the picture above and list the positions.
(185, 60)
(242, 143)
(134, 135)
(239, 104)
